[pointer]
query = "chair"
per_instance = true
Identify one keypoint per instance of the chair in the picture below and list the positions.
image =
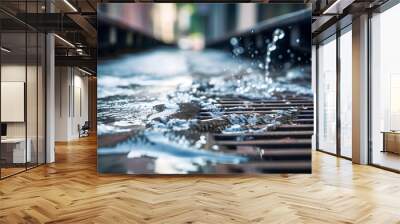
(84, 130)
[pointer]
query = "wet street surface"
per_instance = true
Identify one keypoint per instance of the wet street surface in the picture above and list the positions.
(170, 111)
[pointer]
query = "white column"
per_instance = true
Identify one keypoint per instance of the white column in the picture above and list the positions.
(360, 90)
(247, 16)
(50, 99)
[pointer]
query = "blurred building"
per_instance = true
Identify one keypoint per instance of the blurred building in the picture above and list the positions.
(135, 16)
(172, 21)
(163, 18)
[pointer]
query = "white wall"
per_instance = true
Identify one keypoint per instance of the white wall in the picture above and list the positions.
(62, 82)
(71, 102)
(80, 110)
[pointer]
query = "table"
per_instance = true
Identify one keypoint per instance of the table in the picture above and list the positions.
(391, 141)
(17, 149)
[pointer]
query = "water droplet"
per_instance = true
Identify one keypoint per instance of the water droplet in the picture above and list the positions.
(272, 47)
(234, 41)
(279, 34)
(238, 50)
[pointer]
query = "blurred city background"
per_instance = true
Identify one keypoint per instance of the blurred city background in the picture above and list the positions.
(190, 25)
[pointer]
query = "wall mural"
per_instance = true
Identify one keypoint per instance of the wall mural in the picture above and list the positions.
(199, 88)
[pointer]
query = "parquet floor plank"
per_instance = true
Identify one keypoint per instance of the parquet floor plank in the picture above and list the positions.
(71, 191)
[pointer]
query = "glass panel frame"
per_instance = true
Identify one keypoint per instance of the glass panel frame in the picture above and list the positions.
(32, 98)
(327, 116)
(384, 72)
(340, 65)
(26, 57)
(13, 74)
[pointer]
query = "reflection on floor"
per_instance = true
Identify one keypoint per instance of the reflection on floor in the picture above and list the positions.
(387, 159)
(71, 191)
(10, 171)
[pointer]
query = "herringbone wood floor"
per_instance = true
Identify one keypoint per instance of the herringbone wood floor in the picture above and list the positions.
(70, 191)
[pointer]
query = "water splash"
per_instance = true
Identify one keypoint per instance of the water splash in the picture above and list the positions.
(170, 157)
(244, 85)
(136, 105)
(278, 34)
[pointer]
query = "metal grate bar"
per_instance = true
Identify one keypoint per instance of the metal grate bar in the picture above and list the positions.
(283, 148)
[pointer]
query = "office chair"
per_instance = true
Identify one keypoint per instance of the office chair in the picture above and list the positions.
(84, 130)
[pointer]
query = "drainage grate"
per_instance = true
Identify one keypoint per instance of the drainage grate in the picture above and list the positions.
(284, 148)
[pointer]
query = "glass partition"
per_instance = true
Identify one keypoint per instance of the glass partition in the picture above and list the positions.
(14, 153)
(22, 101)
(327, 96)
(32, 98)
(41, 97)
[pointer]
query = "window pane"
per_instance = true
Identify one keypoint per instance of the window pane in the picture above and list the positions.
(327, 97)
(31, 100)
(346, 94)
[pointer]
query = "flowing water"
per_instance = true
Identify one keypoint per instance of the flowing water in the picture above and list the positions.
(278, 34)
(148, 105)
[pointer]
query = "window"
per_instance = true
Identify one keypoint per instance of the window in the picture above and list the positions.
(327, 96)
(346, 93)
(385, 89)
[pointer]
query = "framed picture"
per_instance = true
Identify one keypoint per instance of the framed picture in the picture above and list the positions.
(204, 88)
